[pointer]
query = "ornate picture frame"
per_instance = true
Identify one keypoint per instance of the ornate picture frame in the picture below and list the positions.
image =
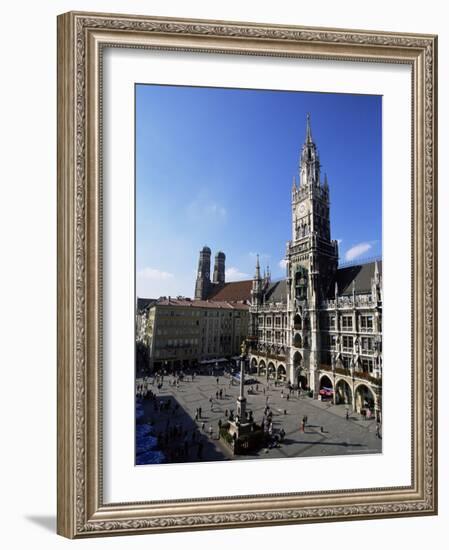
(82, 38)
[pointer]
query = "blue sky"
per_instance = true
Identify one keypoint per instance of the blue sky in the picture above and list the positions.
(214, 167)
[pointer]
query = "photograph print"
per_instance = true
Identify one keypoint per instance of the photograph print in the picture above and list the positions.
(258, 274)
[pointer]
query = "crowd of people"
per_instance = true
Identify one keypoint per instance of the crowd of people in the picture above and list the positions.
(182, 438)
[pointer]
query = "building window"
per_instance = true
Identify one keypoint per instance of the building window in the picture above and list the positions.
(346, 360)
(346, 322)
(268, 321)
(367, 344)
(347, 343)
(268, 335)
(366, 323)
(261, 320)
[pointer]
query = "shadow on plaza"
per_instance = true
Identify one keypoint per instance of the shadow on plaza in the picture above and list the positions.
(173, 426)
(320, 443)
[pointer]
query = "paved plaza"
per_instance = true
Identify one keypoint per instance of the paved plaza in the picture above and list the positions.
(184, 437)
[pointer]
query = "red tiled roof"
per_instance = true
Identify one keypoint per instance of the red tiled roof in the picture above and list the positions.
(233, 292)
(211, 304)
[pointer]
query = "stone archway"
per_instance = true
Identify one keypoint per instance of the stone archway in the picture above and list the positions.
(326, 387)
(262, 368)
(281, 372)
(254, 365)
(326, 382)
(343, 393)
(365, 399)
(271, 370)
(297, 322)
(298, 368)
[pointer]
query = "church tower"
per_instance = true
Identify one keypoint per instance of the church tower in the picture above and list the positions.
(203, 284)
(312, 260)
(219, 268)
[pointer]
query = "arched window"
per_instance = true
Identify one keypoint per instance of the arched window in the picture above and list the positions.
(297, 340)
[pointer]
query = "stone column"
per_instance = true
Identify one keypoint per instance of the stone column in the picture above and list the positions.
(241, 400)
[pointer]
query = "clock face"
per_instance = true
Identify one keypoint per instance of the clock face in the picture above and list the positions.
(301, 209)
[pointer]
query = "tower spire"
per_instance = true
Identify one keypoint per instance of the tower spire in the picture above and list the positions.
(308, 131)
(257, 268)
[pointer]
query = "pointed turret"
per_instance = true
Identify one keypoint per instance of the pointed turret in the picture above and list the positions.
(376, 273)
(257, 275)
(256, 291)
(308, 130)
(376, 283)
(309, 165)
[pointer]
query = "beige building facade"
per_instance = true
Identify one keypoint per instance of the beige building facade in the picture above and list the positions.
(182, 333)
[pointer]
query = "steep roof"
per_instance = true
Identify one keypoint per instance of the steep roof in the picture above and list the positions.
(277, 292)
(360, 275)
(239, 291)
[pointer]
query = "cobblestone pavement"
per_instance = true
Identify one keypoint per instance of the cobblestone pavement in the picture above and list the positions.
(327, 432)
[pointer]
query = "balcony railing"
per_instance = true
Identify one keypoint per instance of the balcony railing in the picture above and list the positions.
(368, 377)
(353, 373)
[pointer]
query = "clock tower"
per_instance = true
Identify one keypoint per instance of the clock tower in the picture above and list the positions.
(312, 260)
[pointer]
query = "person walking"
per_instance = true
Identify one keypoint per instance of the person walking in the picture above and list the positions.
(203, 426)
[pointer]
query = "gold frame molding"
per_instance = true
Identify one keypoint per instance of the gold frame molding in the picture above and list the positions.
(81, 37)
